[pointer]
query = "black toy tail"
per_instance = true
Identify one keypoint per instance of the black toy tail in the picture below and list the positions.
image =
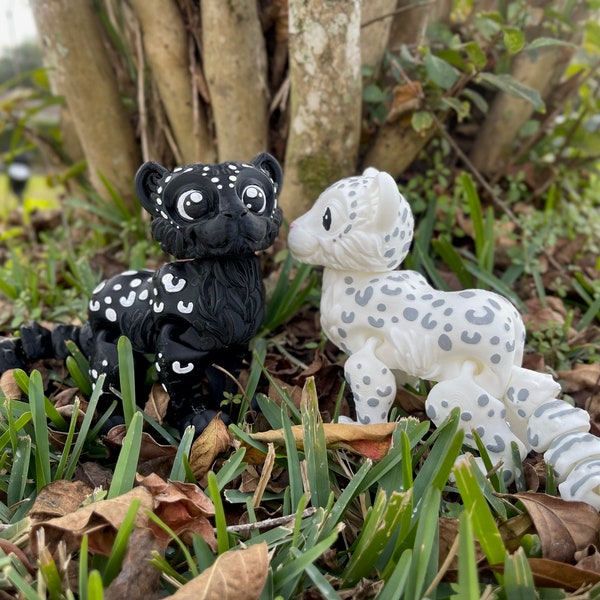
(37, 342)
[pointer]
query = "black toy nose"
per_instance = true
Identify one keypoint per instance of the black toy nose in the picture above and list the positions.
(234, 212)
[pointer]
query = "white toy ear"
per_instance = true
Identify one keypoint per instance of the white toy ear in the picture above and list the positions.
(388, 200)
(370, 172)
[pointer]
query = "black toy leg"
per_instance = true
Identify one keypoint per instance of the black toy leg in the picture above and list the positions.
(194, 385)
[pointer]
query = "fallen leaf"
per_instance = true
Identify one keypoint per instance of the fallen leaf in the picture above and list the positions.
(100, 521)
(9, 386)
(138, 577)
(588, 559)
(563, 527)
(583, 376)
(157, 403)
(214, 440)
(184, 507)
(406, 98)
(59, 498)
(552, 573)
(372, 441)
(239, 574)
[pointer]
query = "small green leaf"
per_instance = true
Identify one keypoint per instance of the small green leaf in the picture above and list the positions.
(475, 54)
(508, 84)
(514, 40)
(421, 121)
(440, 72)
(592, 34)
(462, 109)
(544, 42)
(373, 94)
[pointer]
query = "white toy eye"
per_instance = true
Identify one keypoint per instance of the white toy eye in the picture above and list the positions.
(254, 198)
(191, 205)
(327, 220)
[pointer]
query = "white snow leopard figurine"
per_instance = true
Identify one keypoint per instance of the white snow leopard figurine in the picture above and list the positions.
(396, 327)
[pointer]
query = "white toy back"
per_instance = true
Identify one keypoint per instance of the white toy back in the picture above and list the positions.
(396, 327)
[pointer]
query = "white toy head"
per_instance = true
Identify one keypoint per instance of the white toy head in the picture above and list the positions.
(360, 223)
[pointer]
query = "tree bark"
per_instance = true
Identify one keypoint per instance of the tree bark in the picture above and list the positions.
(235, 66)
(377, 18)
(166, 47)
(494, 144)
(325, 107)
(73, 44)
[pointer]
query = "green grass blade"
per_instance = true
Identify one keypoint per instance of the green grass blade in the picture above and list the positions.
(293, 462)
(183, 449)
(119, 547)
(220, 520)
(83, 568)
(315, 447)
(395, 585)
(518, 579)
(126, 467)
(127, 378)
(475, 503)
(19, 471)
(232, 468)
(40, 426)
(468, 582)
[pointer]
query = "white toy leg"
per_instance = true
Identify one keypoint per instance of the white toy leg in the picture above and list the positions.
(373, 384)
(583, 483)
(553, 419)
(526, 391)
(479, 411)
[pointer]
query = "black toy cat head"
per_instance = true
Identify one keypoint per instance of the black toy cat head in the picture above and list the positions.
(203, 211)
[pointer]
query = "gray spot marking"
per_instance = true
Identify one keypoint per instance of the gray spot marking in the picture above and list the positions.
(390, 292)
(379, 323)
(381, 307)
(430, 411)
(386, 392)
(473, 339)
(350, 291)
(522, 394)
(495, 359)
(494, 340)
(348, 280)
(437, 303)
(448, 312)
(485, 319)
(466, 416)
(410, 314)
(540, 410)
(390, 253)
(444, 342)
(427, 323)
(466, 294)
(363, 298)
(348, 317)
(499, 447)
(395, 319)
(364, 420)
(373, 402)
(426, 296)
(510, 347)
(494, 304)
(491, 413)
(483, 400)
(342, 332)
(348, 228)
(510, 393)
(448, 327)
(366, 380)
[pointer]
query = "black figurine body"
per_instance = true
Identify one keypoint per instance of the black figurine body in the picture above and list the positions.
(204, 308)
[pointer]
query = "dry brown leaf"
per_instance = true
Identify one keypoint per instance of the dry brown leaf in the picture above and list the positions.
(588, 559)
(372, 441)
(563, 527)
(552, 573)
(184, 507)
(157, 403)
(100, 521)
(236, 574)
(406, 98)
(138, 577)
(214, 440)
(583, 376)
(59, 498)
(9, 386)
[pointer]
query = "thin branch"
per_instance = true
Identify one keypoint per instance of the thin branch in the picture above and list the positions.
(269, 523)
(398, 11)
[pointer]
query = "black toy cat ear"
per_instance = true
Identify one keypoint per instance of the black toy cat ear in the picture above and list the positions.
(146, 184)
(271, 167)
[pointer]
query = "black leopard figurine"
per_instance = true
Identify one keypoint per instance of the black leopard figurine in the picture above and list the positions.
(197, 314)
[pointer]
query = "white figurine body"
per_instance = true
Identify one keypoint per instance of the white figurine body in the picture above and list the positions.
(396, 327)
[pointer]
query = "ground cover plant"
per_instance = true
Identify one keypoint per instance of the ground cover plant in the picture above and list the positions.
(286, 503)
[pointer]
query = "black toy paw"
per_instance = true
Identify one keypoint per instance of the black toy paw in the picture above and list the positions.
(199, 420)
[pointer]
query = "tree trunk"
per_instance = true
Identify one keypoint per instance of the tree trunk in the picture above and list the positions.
(494, 144)
(166, 47)
(71, 33)
(377, 18)
(235, 66)
(325, 108)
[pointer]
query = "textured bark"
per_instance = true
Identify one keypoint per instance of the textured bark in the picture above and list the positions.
(325, 108)
(411, 22)
(375, 34)
(235, 66)
(72, 40)
(166, 48)
(396, 146)
(494, 144)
